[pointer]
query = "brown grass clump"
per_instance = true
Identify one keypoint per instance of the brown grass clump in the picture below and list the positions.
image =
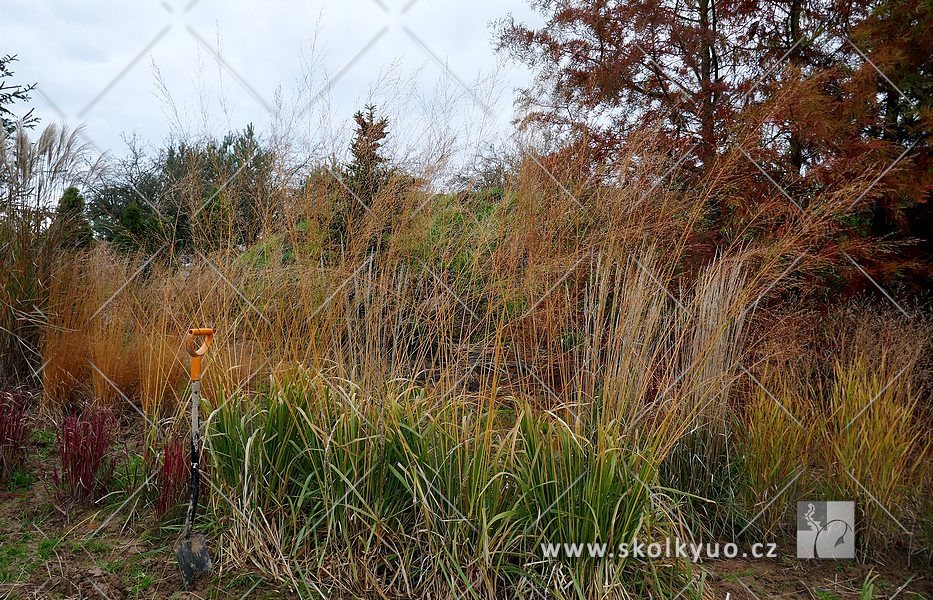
(856, 430)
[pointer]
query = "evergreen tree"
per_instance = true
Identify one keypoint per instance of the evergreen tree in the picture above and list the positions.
(367, 172)
(74, 227)
(138, 230)
(13, 93)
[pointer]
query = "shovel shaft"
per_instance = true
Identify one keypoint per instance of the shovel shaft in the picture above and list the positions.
(195, 458)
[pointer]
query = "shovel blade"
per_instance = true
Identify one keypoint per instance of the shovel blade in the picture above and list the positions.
(192, 558)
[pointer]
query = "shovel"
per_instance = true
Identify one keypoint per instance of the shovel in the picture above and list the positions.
(191, 549)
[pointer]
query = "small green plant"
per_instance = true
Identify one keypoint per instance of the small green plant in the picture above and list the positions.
(21, 478)
(48, 546)
(867, 591)
(93, 545)
(137, 580)
(128, 474)
(43, 437)
(12, 557)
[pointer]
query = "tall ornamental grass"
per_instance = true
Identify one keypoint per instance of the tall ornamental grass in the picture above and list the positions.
(409, 496)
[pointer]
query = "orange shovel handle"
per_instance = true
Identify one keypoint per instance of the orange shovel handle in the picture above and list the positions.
(197, 352)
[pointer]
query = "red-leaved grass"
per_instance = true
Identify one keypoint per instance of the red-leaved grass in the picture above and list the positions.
(174, 476)
(84, 443)
(14, 431)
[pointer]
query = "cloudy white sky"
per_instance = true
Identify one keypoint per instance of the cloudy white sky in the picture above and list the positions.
(161, 68)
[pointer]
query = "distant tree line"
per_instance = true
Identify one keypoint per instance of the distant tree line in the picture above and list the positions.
(145, 202)
(180, 195)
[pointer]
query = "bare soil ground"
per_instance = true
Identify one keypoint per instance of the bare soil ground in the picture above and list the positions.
(789, 578)
(110, 550)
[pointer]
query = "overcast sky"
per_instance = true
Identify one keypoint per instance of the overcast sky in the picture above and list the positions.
(177, 68)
